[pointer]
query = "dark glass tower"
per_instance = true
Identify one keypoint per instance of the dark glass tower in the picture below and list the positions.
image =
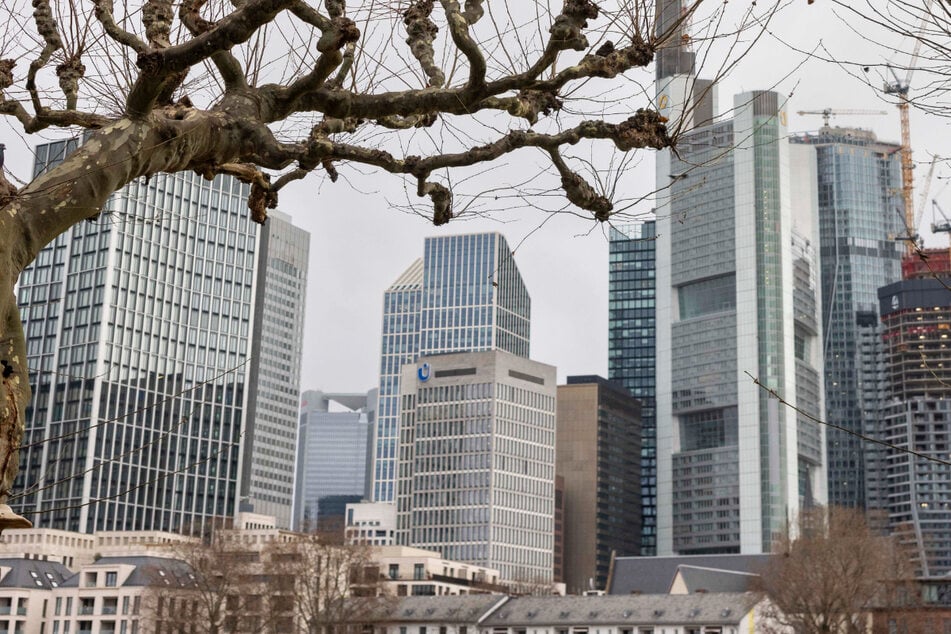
(859, 181)
(631, 350)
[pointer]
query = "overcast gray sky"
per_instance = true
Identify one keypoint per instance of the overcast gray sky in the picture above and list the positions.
(359, 244)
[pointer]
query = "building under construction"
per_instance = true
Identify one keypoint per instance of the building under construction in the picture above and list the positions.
(916, 417)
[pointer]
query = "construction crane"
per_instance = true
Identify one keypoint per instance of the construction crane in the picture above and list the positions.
(829, 112)
(925, 190)
(939, 227)
(900, 88)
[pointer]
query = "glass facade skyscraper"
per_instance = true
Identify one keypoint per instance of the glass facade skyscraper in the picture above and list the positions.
(737, 297)
(332, 452)
(859, 219)
(631, 345)
(465, 294)
(147, 413)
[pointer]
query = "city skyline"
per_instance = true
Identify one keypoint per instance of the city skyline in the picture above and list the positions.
(364, 231)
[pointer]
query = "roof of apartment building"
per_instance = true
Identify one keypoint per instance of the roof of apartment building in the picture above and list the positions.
(690, 579)
(654, 575)
(707, 608)
(495, 611)
(148, 571)
(33, 573)
(439, 609)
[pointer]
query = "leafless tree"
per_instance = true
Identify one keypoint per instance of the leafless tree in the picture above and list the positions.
(828, 578)
(272, 90)
(311, 577)
(219, 589)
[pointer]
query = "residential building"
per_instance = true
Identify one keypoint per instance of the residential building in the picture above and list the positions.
(371, 523)
(477, 461)
(916, 321)
(598, 455)
(737, 315)
(465, 294)
(163, 341)
(859, 185)
(25, 588)
(332, 455)
(707, 613)
(631, 347)
(414, 572)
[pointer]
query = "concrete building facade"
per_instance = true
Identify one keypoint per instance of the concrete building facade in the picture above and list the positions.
(477, 461)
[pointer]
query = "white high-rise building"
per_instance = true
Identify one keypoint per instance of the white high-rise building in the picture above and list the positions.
(737, 299)
(477, 461)
(164, 344)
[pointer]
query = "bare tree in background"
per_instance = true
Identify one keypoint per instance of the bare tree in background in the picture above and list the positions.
(272, 90)
(213, 591)
(312, 577)
(829, 578)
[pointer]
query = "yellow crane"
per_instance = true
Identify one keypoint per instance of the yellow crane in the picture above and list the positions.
(900, 88)
(830, 112)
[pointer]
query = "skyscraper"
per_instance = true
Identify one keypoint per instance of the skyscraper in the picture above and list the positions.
(332, 452)
(466, 294)
(631, 345)
(155, 407)
(598, 455)
(859, 184)
(477, 461)
(737, 298)
(916, 417)
(270, 439)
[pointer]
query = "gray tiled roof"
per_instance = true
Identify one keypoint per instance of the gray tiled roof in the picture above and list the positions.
(666, 609)
(148, 571)
(33, 573)
(653, 575)
(712, 580)
(463, 609)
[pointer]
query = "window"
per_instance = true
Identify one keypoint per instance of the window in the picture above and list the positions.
(111, 578)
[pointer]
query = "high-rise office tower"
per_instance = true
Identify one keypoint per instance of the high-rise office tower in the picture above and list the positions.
(155, 407)
(477, 461)
(598, 455)
(916, 322)
(332, 453)
(859, 180)
(270, 439)
(631, 344)
(465, 294)
(737, 298)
